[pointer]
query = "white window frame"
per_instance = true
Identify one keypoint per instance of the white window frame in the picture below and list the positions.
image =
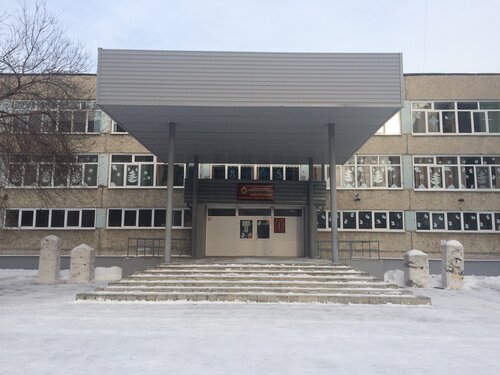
(462, 223)
(373, 229)
(114, 130)
(136, 226)
(49, 227)
(456, 111)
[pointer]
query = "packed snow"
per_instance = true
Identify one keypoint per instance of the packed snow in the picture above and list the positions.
(44, 331)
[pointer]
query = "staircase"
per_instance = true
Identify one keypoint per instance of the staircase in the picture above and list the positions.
(303, 283)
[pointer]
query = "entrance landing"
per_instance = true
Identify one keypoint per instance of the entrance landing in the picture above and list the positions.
(252, 260)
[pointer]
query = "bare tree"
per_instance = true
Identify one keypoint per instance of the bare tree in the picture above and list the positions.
(39, 79)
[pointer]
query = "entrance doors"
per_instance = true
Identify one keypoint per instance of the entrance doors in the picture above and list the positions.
(255, 232)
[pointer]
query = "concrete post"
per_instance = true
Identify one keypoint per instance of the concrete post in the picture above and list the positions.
(416, 268)
(311, 212)
(82, 264)
(333, 193)
(452, 264)
(194, 206)
(49, 264)
(170, 192)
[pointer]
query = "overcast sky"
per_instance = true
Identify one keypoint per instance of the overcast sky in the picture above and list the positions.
(434, 35)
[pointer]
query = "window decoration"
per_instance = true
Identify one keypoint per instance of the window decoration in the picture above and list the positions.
(148, 218)
(143, 171)
(368, 172)
(456, 172)
(47, 171)
(52, 218)
(458, 221)
(363, 220)
(455, 117)
(255, 172)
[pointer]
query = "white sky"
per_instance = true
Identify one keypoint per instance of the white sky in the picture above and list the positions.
(434, 35)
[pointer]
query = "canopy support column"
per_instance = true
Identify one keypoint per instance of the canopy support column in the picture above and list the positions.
(333, 192)
(170, 192)
(194, 207)
(311, 213)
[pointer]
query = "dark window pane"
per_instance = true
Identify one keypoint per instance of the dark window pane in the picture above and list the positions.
(497, 221)
(114, 218)
(433, 122)
(479, 122)
(486, 221)
(57, 220)
(278, 173)
(79, 121)
(218, 172)
(178, 175)
(470, 221)
(473, 160)
(395, 220)
(380, 220)
(263, 231)
(145, 218)
(254, 212)
(494, 121)
(489, 105)
(88, 218)
(292, 173)
(221, 212)
(364, 220)
(42, 219)
(160, 218)
(27, 218)
(91, 122)
(264, 173)
(130, 219)
(454, 221)
(418, 121)
(469, 177)
(76, 174)
(143, 158)
(90, 174)
(161, 175)
(467, 105)
(12, 218)
(117, 174)
(247, 173)
(188, 221)
(29, 174)
(246, 229)
(64, 122)
(232, 172)
(73, 219)
(423, 221)
(438, 221)
(177, 218)
(464, 122)
(449, 125)
(121, 158)
(444, 105)
(321, 217)
(290, 212)
(61, 175)
(132, 177)
(349, 220)
(147, 174)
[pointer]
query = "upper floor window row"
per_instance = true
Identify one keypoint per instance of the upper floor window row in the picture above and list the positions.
(456, 172)
(64, 117)
(129, 171)
(71, 171)
(455, 117)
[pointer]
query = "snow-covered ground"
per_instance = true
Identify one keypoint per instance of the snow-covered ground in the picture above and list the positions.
(44, 331)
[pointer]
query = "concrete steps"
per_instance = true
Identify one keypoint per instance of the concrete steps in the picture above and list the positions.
(301, 283)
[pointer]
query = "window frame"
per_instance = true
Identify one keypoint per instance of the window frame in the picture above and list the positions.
(49, 224)
(152, 226)
(373, 228)
(462, 223)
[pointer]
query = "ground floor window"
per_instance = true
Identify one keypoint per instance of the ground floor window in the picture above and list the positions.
(144, 218)
(51, 218)
(458, 221)
(362, 220)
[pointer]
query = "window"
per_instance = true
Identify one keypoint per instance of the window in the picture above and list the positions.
(142, 171)
(368, 172)
(456, 172)
(458, 221)
(147, 218)
(79, 171)
(455, 117)
(254, 172)
(117, 129)
(392, 126)
(52, 218)
(363, 220)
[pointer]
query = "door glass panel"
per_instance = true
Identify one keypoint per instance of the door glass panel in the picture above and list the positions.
(263, 229)
(246, 229)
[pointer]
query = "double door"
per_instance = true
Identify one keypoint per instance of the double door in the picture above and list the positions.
(254, 237)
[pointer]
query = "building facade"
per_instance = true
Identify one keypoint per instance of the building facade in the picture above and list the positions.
(432, 172)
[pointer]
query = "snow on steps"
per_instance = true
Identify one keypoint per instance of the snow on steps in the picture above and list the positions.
(303, 283)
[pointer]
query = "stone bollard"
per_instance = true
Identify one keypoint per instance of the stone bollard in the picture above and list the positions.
(82, 264)
(416, 267)
(452, 264)
(49, 263)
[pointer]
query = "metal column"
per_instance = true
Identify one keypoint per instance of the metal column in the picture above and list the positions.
(311, 213)
(333, 192)
(170, 192)
(194, 207)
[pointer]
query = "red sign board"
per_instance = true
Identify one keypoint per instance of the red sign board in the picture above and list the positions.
(255, 192)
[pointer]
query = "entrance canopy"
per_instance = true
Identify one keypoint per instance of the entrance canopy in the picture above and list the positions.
(246, 107)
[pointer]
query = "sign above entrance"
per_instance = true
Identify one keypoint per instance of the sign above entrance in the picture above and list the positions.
(255, 192)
